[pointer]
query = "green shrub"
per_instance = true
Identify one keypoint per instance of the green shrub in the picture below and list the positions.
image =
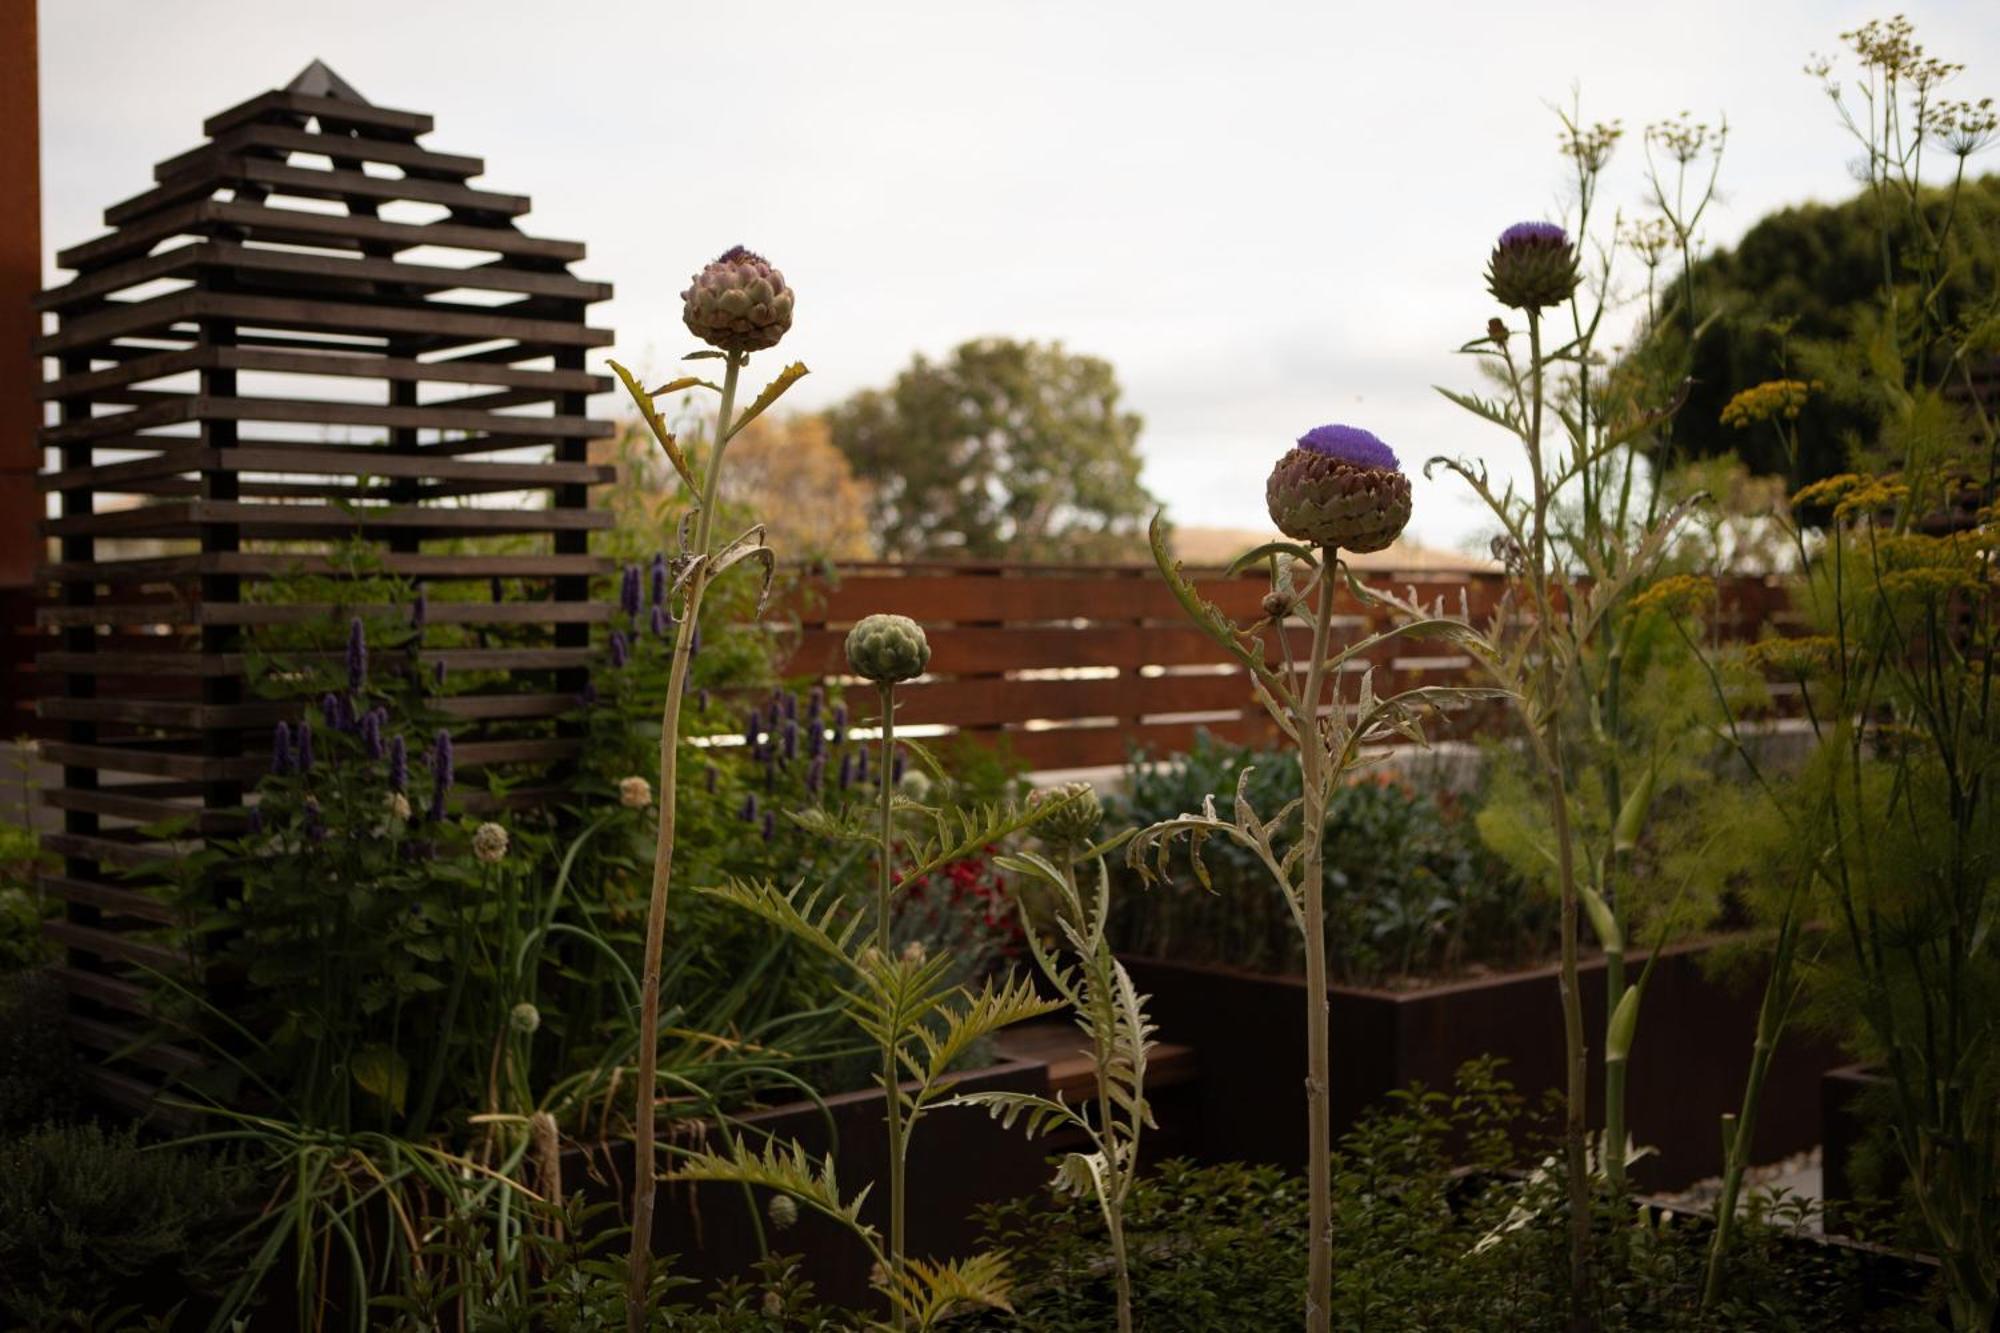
(1411, 890)
(39, 1076)
(91, 1220)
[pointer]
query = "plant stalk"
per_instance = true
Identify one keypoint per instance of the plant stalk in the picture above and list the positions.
(891, 1083)
(1319, 1138)
(645, 1179)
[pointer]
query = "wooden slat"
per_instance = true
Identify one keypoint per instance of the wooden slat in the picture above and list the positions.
(1105, 747)
(224, 171)
(974, 703)
(348, 147)
(296, 226)
(128, 801)
(373, 461)
(538, 384)
(941, 599)
(139, 1047)
(123, 319)
(185, 517)
(169, 662)
(186, 261)
(962, 651)
(279, 102)
(113, 992)
(196, 613)
(110, 944)
(108, 898)
(178, 409)
(260, 565)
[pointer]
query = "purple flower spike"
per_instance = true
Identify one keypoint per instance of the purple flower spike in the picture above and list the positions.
(840, 724)
(1350, 444)
(371, 732)
(399, 765)
(621, 651)
(694, 641)
(329, 708)
(701, 701)
(770, 826)
(896, 768)
(305, 747)
(751, 726)
(281, 749)
(660, 623)
(628, 591)
(357, 654)
(420, 610)
(791, 740)
(748, 814)
(816, 704)
(861, 767)
(442, 774)
(437, 674)
(708, 777)
(846, 771)
(816, 774)
(1539, 233)
(659, 580)
(315, 824)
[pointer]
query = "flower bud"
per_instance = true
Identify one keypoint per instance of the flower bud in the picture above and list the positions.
(1072, 823)
(1339, 486)
(524, 1018)
(1532, 267)
(887, 649)
(635, 793)
(489, 843)
(738, 303)
(399, 806)
(914, 952)
(783, 1212)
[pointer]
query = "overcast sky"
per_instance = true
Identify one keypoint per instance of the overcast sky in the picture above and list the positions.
(1266, 216)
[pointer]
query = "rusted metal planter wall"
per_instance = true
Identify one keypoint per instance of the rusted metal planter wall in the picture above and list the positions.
(1687, 1069)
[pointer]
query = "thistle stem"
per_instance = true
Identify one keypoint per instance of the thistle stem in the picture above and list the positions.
(891, 1084)
(1319, 1139)
(645, 1179)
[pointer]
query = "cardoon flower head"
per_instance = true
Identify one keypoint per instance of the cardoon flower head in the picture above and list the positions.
(281, 749)
(1073, 822)
(357, 654)
(304, 751)
(659, 579)
(888, 648)
(621, 651)
(738, 303)
(628, 591)
(524, 1018)
(399, 765)
(1339, 486)
(1532, 266)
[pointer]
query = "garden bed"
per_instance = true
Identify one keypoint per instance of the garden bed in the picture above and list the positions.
(1687, 1070)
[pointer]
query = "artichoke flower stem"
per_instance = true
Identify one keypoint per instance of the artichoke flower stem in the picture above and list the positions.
(1312, 767)
(891, 1084)
(645, 1177)
(1550, 751)
(1123, 1166)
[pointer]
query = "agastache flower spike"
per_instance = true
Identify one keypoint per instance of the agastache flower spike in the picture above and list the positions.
(816, 774)
(399, 765)
(660, 622)
(357, 654)
(1339, 486)
(621, 652)
(420, 610)
(628, 592)
(281, 749)
(1532, 266)
(305, 747)
(659, 579)
(748, 814)
(315, 824)
(442, 774)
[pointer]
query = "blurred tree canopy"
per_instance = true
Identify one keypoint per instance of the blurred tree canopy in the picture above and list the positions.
(1003, 450)
(1802, 282)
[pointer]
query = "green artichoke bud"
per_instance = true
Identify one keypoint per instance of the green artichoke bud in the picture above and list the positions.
(1339, 487)
(886, 649)
(783, 1211)
(1533, 266)
(1072, 824)
(738, 303)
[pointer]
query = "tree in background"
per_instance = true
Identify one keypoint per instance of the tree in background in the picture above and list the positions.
(1804, 281)
(785, 468)
(1005, 449)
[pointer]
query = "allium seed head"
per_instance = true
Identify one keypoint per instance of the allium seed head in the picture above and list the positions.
(635, 793)
(489, 843)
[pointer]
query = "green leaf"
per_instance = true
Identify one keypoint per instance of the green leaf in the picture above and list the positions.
(383, 1075)
(657, 424)
(925, 1292)
(684, 382)
(790, 1172)
(773, 391)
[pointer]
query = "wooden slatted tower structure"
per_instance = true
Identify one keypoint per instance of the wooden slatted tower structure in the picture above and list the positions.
(310, 329)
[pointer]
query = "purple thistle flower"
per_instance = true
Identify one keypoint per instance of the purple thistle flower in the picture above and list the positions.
(442, 773)
(357, 654)
(621, 650)
(1534, 233)
(628, 591)
(846, 771)
(305, 747)
(420, 609)
(281, 750)
(1350, 444)
(399, 765)
(660, 622)
(660, 580)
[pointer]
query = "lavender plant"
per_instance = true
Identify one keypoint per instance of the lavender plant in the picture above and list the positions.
(922, 1023)
(739, 304)
(1112, 1015)
(1340, 488)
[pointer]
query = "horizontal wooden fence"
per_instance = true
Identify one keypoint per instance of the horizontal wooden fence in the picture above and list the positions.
(1080, 667)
